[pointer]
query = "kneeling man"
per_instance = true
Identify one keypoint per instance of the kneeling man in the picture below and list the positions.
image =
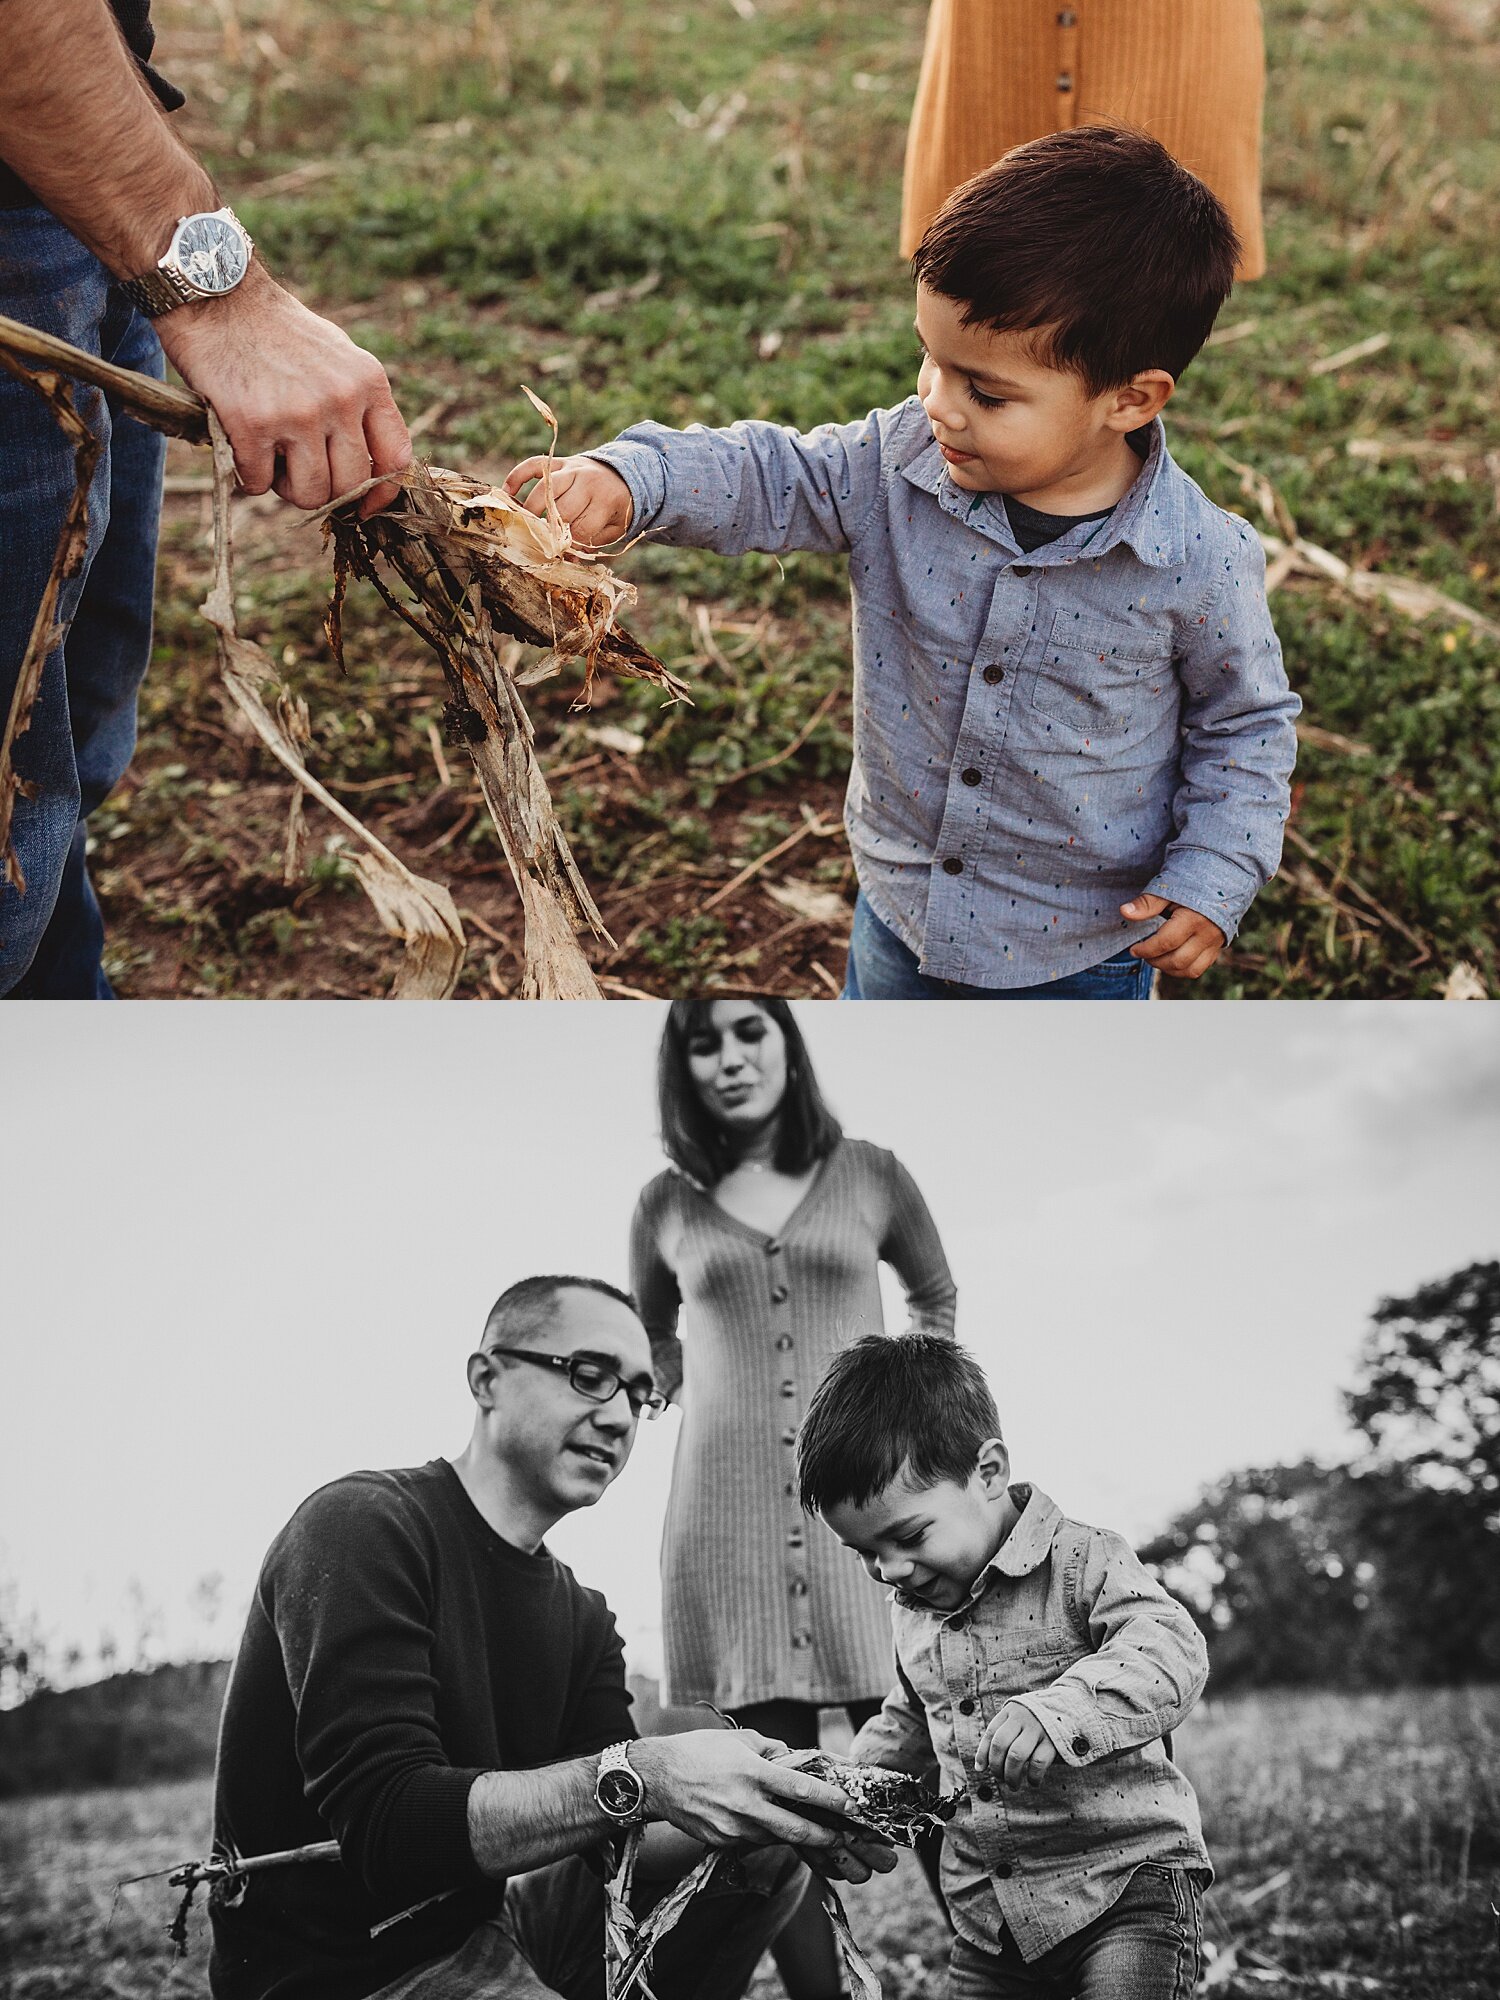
(421, 1680)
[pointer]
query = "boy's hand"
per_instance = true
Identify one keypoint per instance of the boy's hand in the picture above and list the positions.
(1016, 1748)
(1186, 945)
(594, 501)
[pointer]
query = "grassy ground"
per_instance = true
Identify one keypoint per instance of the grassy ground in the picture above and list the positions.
(691, 214)
(1357, 1843)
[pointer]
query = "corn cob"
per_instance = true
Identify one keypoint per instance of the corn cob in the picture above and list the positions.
(885, 1802)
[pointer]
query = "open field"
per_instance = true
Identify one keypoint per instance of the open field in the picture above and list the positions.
(1357, 1842)
(691, 214)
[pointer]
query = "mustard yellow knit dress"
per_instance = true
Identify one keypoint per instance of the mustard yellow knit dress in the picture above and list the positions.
(996, 73)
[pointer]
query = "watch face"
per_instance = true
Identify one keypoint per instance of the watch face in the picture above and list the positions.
(211, 253)
(620, 1792)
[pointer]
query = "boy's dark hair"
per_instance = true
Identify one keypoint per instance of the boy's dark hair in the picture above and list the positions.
(702, 1148)
(526, 1307)
(1096, 235)
(918, 1401)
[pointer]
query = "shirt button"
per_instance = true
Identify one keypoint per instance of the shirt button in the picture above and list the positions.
(966, 1707)
(984, 1793)
(994, 674)
(957, 1624)
(783, 1341)
(1080, 1746)
(1022, 569)
(788, 1388)
(779, 1295)
(953, 866)
(1004, 1870)
(971, 776)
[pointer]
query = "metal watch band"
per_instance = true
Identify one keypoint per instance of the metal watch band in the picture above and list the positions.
(158, 292)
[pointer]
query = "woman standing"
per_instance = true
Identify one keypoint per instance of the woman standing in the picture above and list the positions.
(769, 1227)
(996, 73)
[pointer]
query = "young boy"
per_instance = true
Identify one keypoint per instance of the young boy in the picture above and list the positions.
(1072, 730)
(1039, 1668)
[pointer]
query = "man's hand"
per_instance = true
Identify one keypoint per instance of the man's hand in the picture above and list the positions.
(308, 413)
(1186, 945)
(1016, 1748)
(593, 500)
(857, 1856)
(719, 1786)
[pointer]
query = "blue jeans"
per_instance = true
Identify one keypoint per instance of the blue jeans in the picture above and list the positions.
(549, 1938)
(1146, 1946)
(880, 967)
(82, 729)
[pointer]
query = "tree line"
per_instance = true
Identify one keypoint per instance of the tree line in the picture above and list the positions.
(1383, 1571)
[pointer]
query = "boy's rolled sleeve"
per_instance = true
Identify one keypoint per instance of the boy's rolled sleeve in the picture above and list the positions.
(897, 1739)
(751, 486)
(1239, 747)
(1148, 1669)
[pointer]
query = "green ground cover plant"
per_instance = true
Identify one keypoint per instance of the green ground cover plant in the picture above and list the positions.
(691, 215)
(1356, 1839)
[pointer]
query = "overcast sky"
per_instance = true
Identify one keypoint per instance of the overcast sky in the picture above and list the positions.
(247, 1249)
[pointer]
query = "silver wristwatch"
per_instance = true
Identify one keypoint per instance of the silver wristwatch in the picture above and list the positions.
(618, 1790)
(208, 256)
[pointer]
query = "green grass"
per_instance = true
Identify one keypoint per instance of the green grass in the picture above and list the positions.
(1356, 1839)
(691, 215)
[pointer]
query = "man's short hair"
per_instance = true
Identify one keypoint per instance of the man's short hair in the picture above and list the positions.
(1094, 239)
(527, 1307)
(918, 1402)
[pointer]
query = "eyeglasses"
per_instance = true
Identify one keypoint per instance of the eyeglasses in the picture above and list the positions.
(595, 1380)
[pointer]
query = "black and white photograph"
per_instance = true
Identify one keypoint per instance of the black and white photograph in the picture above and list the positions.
(1096, 1455)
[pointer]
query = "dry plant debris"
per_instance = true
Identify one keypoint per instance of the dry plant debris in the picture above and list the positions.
(486, 578)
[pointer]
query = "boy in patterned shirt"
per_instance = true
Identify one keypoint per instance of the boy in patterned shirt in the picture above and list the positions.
(1039, 1668)
(1072, 731)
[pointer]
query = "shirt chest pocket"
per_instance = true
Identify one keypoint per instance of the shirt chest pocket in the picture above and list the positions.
(1006, 1669)
(1098, 682)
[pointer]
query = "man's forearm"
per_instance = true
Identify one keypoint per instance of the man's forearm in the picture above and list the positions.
(523, 1819)
(80, 127)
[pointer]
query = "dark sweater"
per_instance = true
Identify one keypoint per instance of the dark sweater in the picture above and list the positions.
(134, 17)
(395, 1649)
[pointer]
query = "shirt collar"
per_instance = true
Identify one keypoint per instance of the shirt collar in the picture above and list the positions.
(1149, 518)
(1023, 1550)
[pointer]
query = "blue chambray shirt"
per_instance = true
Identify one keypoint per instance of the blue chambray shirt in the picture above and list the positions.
(1037, 738)
(1068, 1621)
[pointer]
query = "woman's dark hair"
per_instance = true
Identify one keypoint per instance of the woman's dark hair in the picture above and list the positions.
(693, 1138)
(918, 1402)
(1095, 236)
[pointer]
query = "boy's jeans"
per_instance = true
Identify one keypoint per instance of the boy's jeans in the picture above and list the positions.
(1146, 1946)
(880, 967)
(82, 729)
(549, 1939)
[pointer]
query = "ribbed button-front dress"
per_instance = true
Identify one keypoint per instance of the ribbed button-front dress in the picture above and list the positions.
(996, 73)
(759, 1602)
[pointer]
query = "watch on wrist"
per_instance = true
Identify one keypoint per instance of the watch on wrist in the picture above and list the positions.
(208, 256)
(618, 1790)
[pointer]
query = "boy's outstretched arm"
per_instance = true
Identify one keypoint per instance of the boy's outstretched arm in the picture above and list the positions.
(898, 1739)
(751, 486)
(1239, 746)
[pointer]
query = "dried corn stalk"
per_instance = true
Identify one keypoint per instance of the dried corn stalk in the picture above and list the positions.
(484, 573)
(886, 1802)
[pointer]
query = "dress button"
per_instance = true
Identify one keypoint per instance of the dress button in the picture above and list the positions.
(799, 1586)
(779, 1295)
(794, 1539)
(773, 1248)
(966, 1707)
(984, 1793)
(788, 1388)
(1080, 1746)
(994, 674)
(971, 776)
(1004, 1869)
(789, 1489)
(784, 1341)
(953, 866)
(1022, 569)
(789, 1437)
(801, 1639)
